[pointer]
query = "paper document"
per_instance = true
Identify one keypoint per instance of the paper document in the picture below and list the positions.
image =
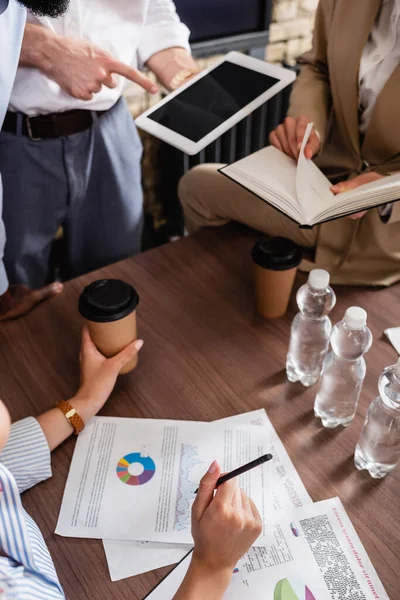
(134, 479)
(316, 554)
(393, 335)
(313, 554)
(170, 585)
(126, 559)
(313, 188)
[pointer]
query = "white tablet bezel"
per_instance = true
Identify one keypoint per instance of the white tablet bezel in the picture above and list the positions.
(285, 77)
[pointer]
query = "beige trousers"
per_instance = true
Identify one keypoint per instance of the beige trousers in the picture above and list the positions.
(211, 199)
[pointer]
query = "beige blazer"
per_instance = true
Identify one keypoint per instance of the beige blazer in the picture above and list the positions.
(366, 251)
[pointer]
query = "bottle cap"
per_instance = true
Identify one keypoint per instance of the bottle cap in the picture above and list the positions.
(277, 254)
(319, 279)
(108, 300)
(355, 317)
(397, 368)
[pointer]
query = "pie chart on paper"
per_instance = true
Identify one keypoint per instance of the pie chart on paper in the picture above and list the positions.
(292, 589)
(146, 464)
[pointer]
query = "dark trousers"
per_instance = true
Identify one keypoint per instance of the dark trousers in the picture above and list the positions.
(90, 183)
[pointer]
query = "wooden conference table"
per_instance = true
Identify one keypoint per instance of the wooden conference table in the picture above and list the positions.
(206, 356)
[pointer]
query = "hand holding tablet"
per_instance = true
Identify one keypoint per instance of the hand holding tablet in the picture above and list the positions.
(214, 101)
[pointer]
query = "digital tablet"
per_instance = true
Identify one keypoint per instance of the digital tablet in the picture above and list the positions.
(214, 101)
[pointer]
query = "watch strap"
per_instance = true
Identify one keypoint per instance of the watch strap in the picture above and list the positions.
(72, 415)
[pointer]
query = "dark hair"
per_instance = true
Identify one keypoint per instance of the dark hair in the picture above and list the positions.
(46, 8)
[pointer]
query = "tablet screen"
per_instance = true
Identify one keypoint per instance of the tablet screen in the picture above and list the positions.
(209, 102)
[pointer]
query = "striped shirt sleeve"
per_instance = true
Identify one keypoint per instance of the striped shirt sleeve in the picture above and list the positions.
(27, 454)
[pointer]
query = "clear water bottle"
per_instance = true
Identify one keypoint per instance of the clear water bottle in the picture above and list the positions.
(378, 449)
(344, 370)
(311, 329)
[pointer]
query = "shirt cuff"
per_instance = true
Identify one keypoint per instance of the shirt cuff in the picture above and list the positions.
(160, 37)
(3, 279)
(27, 454)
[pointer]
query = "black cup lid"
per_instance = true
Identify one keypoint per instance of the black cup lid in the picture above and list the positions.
(107, 300)
(277, 254)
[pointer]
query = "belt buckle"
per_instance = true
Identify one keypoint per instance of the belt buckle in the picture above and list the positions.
(30, 134)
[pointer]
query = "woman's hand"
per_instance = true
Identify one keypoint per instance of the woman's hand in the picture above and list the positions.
(98, 377)
(351, 184)
(99, 374)
(288, 138)
(224, 527)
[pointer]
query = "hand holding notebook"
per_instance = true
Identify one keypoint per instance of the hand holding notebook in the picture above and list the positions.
(301, 191)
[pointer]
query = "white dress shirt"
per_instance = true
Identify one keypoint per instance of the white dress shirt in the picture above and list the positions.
(12, 25)
(130, 30)
(380, 57)
(26, 569)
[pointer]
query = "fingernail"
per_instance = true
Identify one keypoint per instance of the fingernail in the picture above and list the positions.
(57, 287)
(139, 344)
(154, 89)
(213, 467)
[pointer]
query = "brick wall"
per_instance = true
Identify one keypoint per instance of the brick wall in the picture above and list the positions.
(290, 35)
(291, 29)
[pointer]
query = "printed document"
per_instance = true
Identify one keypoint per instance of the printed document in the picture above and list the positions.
(135, 479)
(126, 559)
(314, 553)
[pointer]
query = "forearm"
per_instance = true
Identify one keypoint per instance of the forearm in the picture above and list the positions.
(167, 64)
(56, 426)
(202, 583)
(38, 47)
(311, 97)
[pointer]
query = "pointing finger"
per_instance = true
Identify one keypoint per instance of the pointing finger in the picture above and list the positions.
(133, 75)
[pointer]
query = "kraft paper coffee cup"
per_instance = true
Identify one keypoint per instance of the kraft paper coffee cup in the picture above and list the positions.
(109, 307)
(275, 264)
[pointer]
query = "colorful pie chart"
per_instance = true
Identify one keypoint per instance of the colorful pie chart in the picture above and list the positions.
(292, 589)
(149, 468)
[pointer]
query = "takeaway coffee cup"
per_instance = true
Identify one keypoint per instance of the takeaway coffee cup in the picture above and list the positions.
(109, 307)
(275, 264)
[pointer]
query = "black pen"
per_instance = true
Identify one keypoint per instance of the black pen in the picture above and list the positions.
(236, 472)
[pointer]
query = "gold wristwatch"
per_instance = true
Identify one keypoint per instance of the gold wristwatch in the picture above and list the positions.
(181, 77)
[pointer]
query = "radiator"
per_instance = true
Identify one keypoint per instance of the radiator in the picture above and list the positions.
(248, 136)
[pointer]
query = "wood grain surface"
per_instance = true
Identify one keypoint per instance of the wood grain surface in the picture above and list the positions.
(207, 355)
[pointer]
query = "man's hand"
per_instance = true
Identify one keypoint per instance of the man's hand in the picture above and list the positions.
(79, 68)
(288, 138)
(19, 299)
(173, 67)
(351, 184)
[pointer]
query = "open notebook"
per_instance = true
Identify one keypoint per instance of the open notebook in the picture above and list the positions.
(302, 192)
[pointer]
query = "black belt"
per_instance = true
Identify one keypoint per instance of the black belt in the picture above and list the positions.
(51, 126)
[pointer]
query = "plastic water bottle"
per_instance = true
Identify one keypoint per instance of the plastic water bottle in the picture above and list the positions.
(378, 449)
(311, 329)
(344, 370)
